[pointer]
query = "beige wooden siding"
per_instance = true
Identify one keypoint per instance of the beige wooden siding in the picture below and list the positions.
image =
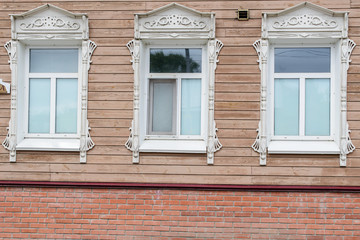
(237, 94)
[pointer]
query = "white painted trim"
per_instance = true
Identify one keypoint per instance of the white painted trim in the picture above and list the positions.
(173, 146)
(74, 33)
(46, 144)
(148, 33)
(303, 147)
(323, 28)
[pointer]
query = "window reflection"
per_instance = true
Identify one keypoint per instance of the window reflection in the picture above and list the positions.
(301, 60)
(175, 60)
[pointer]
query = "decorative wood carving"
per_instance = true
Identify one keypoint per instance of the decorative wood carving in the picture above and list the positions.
(86, 144)
(88, 52)
(7, 142)
(133, 142)
(134, 48)
(346, 147)
(347, 48)
(46, 23)
(305, 21)
(260, 145)
(311, 22)
(129, 142)
(171, 22)
(175, 21)
(49, 23)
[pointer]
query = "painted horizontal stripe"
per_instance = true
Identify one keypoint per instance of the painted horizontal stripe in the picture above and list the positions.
(183, 186)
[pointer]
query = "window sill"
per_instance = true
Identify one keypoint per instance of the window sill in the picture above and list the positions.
(173, 146)
(60, 144)
(303, 147)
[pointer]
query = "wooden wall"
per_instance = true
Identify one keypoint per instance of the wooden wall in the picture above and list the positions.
(236, 105)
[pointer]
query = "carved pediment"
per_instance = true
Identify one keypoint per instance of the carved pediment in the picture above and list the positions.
(49, 20)
(307, 19)
(49, 23)
(174, 21)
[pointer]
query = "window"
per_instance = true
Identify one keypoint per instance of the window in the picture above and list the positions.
(301, 86)
(53, 95)
(175, 103)
(304, 55)
(174, 56)
(49, 61)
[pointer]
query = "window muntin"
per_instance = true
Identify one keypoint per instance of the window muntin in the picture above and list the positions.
(187, 112)
(53, 77)
(175, 60)
(302, 100)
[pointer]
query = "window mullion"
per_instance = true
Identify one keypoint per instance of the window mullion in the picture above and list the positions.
(178, 106)
(302, 107)
(52, 105)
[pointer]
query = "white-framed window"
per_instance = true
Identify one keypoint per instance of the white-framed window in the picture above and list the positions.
(52, 93)
(304, 55)
(176, 92)
(303, 91)
(50, 56)
(174, 56)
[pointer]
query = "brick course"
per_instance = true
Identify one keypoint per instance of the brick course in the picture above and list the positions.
(105, 213)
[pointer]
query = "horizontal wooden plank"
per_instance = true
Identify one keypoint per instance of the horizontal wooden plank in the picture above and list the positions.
(221, 106)
(148, 169)
(111, 87)
(128, 105)
(149, 178)
(237, 115)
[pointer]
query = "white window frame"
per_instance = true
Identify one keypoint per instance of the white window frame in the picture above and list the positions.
(52, 77)
(47, 27)
(173, 26)
(302, 76)
(305, 25)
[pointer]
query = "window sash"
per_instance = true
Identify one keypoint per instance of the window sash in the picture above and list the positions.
(302, 77)
(158, 107)
(53, 77)
(333, 96)
(177, 114)
(177, 77)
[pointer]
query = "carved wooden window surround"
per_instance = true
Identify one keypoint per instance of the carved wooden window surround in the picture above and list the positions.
(303, 26)
(45, 27)
(173, 26)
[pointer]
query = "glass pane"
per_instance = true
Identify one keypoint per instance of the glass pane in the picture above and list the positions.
(39, 105)
(162, 106)
(286, 107)
(190, 106)
(317, 107)
(53, 60)
(66, 105)
(300, 60)
(175, 60)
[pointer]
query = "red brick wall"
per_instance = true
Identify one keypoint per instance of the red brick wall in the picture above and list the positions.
(81, 213)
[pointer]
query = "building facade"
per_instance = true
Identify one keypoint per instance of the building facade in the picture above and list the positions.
(186, 120)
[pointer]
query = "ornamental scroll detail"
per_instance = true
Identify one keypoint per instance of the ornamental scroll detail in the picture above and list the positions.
(305, 21)
(175, 21)
(49, 23)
